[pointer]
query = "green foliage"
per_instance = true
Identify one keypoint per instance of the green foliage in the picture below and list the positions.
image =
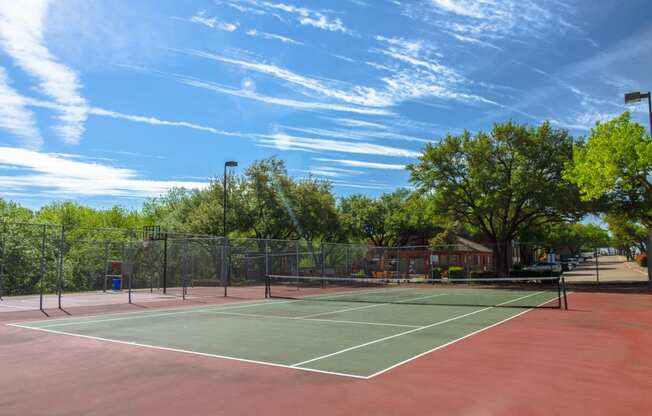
(613, 166)
(501, 182)
(627, 233)
(616, 158)
(397, 218)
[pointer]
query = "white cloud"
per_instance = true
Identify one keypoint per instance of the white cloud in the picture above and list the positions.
(65, 176)
(362, 164)
(330, 172)
(213, 22)
(96, 111)
(462, 7)
(349, 122)
(362, 96)
(286, 142)
(299, 105)
(272, 36)
(357, 134)
(489, 19)
(304, 16)
(15, 116)
(21, 36)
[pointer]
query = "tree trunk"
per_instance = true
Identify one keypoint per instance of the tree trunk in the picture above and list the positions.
(501, 251)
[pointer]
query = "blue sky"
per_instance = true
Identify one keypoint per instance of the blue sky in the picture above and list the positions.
(111, 102)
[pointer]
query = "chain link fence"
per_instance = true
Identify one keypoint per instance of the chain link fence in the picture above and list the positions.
(47, 266)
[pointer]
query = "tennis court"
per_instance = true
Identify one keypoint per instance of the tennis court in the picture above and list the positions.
(336, 327)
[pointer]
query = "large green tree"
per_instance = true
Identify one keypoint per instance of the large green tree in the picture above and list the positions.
(613, 166)
(500, 182)
(398, 218)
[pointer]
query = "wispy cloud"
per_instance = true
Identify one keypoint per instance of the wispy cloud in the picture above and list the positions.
(363, 164)
(213, 22)
(69, 177)
(15, 116)
(350, 122)
(329, 171)
(286, 102)
(505, 19)
(357, 134)
(96, 111)
(284, 141)
(304, 16)
(258, 34)
(418, 77)
(361, 96)
(22, 37)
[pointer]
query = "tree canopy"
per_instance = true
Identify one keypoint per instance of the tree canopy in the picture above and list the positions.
(613, 165)
(500, 182)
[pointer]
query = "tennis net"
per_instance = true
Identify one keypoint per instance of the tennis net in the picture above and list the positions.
(521, 292)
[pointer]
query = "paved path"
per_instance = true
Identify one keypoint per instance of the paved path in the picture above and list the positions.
(611, 269)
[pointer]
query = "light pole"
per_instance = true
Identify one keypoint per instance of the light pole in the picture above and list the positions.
(227, 269)
(632, 98)
(228, 164)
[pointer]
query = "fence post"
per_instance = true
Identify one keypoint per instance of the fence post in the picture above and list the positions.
(597, 268)
(106, 265)
(226, 261)
(2, 264)
(165, 263)
(322, 257)
(184, 276)
(267, 278)
(42, 278)
(60, 265)
(296, 255)
(398, 265)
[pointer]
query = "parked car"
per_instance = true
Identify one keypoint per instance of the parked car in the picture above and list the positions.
(545, 266)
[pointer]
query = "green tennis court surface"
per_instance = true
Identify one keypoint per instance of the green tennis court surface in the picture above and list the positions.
(321, 333)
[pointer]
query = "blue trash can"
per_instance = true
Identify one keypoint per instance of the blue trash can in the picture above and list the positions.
(117, 283)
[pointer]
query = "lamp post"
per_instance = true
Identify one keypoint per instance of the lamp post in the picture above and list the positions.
(632, 98)
(228, 164)
(227, 269)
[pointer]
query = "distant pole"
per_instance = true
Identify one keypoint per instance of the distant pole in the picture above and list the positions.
(227, 164)
(633, 98)
(62, 243)
(597, 267)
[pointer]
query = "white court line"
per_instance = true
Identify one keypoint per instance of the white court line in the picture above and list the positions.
(300, 318)
(421, 328)
(25, 308)
(454, 341)
(269, 363)
(171, 312)
(203, 354)
(369, 306)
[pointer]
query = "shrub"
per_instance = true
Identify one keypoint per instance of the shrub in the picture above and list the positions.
(641, 260)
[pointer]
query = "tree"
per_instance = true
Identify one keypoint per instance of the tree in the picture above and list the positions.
(627, 234)
(500, 182)
(613, 165)
(398, 218)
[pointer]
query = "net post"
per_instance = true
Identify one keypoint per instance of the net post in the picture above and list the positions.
(559, 297)
(563, 286)
(60, 265)
(42, 277)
